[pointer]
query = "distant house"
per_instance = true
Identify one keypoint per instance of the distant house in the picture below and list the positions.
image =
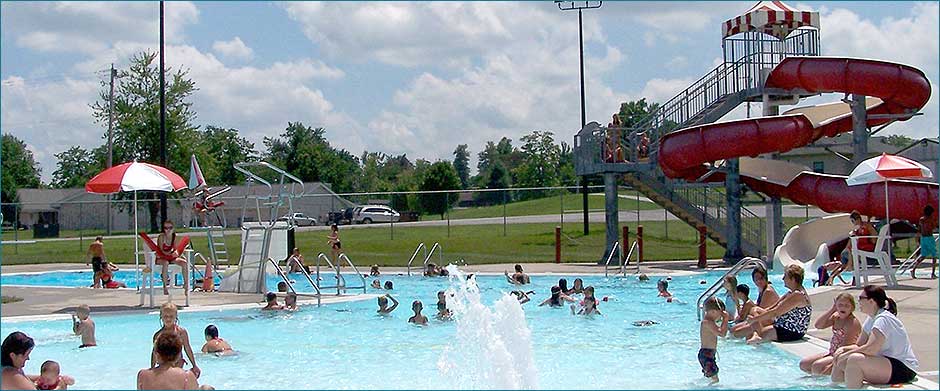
(824, 154)
(925, 151)
(76, 209)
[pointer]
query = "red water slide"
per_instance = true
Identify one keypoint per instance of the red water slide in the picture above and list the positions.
(902, 89)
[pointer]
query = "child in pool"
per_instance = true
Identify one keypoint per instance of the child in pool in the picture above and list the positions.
(83, 325)
(709, 333)
(50, 379)
(374, 271)
(272, 304)
(389, 286)
(384, 309)
(588, 304)
(556, 298)
(522, 296)
(418, 319)
(215, 344)
(663, 287)
(290, 302)
(845, 331)
(730, 284)
(442, 312)
(577, 287)
(742, 291)
(169, 318)
(376, 284)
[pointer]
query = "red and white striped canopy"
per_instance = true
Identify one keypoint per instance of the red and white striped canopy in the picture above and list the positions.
(135, 176)
(770, 17)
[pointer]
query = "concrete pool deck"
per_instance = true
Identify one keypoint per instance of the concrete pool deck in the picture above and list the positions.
(917, 302)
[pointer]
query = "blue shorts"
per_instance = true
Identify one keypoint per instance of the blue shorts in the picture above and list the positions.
(928, 248)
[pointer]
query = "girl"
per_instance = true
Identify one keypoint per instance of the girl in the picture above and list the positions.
(732, 306)
(663, 287)
(845, 331)
(214, 344)
(576, 287)
(335, 246)
(169, 318)
(556, 299)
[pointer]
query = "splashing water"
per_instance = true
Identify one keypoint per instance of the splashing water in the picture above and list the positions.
(493, 346)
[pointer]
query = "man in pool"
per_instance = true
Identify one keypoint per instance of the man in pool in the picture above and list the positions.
(84, 326)
(384, 309)
(95, 256)
(272, 305)
(517, 278)
(418, 319)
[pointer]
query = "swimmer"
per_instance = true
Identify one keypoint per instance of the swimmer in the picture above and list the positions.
(83, 325)
(376, 284)
(643, 277)
(290, 302)
(418, 319)
(663, 287)
(282, 286)
(709, 331)
(374, 271)
(215, 344)
(588, 304)
(556, 298)
(443, 313)
(272, 305)
(50, 379)
(169, 317)
(522, 296)
(389, 286)
(644, 323)
(384, 309)
(577, 287)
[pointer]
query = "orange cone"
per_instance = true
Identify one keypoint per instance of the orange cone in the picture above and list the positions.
(207, 285)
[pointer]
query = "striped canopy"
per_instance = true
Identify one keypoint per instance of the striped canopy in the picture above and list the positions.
(770, 17)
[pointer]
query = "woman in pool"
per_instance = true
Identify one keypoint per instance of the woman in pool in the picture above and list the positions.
(169, 318)
(166, 374)
(167, 243)
(16, 348)
(883, 354)
(214, 344)
(577, 287)
(791, 314)
(557, 299)
(845, 331)
(766, 297)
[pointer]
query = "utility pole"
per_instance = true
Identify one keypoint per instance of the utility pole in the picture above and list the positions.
(163, 161)
(110, 137)
(567, 6)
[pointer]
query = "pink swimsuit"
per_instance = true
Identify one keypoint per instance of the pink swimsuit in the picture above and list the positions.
(838, 339)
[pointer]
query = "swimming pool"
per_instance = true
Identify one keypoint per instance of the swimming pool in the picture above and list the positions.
(83, 278)
(493, 344)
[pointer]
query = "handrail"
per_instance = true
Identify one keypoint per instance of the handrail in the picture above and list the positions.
(290, 286)
(420, 246)
(355, 269)
(626, 261)
(340, 280)
(909, 261)
(713, 289)
(303, 271)
(242, 167)
(615, 247)
(440, 255)
(196, 271)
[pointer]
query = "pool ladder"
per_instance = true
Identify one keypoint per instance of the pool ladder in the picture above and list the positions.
(427, 255)
(290, 285)
(622, 262)
(713, 289)
(340, 279)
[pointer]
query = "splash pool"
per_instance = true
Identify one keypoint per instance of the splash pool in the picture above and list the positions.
(493, 344)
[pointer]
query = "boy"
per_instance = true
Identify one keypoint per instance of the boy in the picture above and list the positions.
(743, 291)
(384, 309)
(709, 333)
(49, 378)
(272, 304)
(96, 257)
(928, 248)
(290, 302)
(214, 344)
(443, 313)
(82, 324)
(418, 319)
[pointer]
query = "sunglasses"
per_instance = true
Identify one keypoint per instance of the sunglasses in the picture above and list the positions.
(860, 297)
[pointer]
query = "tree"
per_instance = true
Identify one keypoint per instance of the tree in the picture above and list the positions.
(540, 160)
(502, 152)
(898, 140)
(633, 112)
(224, 147)
(74, 168)
(137, 117)
(462, 165)
(440, 176)
(498, 179)
(304, 152)
(19, 168)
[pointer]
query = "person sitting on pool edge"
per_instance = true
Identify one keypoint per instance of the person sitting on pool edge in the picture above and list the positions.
(418, 319)
(791, 314)
(519, 277)
(742, 292)
(107, 276)
(374, 271)
(384, 309)
(271, 305)
(215, 344)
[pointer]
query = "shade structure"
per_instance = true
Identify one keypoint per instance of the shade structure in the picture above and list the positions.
(135, 176)
(884, 168)
(772, 18)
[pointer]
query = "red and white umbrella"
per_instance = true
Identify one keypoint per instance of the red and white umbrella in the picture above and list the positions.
(884, 168)
(135, 176)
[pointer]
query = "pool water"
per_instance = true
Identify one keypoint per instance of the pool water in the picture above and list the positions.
(84, 279)
(494, 343)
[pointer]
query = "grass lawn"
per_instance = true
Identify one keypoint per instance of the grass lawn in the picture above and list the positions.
(547, 206)
(10, 299)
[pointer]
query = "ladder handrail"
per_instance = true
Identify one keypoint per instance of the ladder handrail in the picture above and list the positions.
(615, 247)
(290, 286)
(420, 246)
(626, 261)
(440, 255)
(303, 271)
(195, 271)
(340, 280)
(713, 289)
(909, 261)
(355, 269)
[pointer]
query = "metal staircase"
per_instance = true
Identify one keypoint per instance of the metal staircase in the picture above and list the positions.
(737, 80)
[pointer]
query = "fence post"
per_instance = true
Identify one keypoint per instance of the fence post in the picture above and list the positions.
(16, 228)
(626, 241)
(81, 220)
(666, 222)
(639, 242)
(702, 258)
(557, 244)
(562, 215)
(504, 212)
(447, 211)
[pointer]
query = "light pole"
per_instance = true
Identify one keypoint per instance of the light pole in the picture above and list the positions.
(162, 117)
(581, 5)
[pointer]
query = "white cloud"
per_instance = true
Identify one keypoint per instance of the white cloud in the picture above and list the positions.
(677, 62)
(234, 49)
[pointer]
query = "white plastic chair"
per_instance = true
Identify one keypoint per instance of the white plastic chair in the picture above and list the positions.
(860, 260)
(147, 281)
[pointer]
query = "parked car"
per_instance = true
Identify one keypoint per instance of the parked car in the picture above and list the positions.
(299, 219)
(368, 214)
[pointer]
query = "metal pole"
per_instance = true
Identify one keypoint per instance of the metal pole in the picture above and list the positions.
(562, 202)
(16, 228)
(447, 211)
(162, 115)
(504, 212)
(81, 244)
(110, 139)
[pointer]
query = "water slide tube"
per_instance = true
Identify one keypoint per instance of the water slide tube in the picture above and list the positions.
(899, 89)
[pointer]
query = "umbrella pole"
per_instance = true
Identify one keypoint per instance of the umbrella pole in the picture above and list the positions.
(887, 217)
(136, 245)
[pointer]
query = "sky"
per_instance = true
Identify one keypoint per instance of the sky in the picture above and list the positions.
(403, 77)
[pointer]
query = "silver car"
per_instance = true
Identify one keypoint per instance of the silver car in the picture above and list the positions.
(299, 219)
(369, 214)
